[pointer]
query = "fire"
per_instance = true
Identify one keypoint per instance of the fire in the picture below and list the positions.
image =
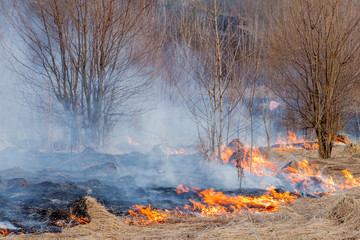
(214, 204)
(145, 216)
(304, 177)
(217, 203)
(4, 231)
(340, 140)
(228, 150)
(132, 142)
(181, 189)
(241, 158)
(300, 178)
(292, 142)
(307, 178)
(259, 165)
(60, 224)
(350, 180)
(80, 220)
(176, 151)
(226, 153)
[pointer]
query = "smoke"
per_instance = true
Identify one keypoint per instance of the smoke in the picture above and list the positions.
(164, 123)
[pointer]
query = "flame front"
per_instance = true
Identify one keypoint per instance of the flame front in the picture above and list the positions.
(240, 156)
(350, 180)
(304, 177)
(80, 220)
(181, 189)
(259, 165)
(176, 151)
(292, 142)
(217, 203)
(4, 231)
(300, 178)
(131, 142)
(308, 179)
(144, 216)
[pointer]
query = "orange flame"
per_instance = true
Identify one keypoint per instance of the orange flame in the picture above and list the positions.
(303, 176)
(60, 224)
(181, 189)
(132, 142)
(145, 216)
(80, 220)
(259, 165)
(350, 180)
(176, 151)
(4, 231)
(292, 142)
(217, 203)
(306, 177)
(340, 140)
(241, 158)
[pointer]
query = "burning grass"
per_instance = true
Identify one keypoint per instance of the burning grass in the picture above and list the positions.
(305, 178)
(330, 217)
(293, 142)
(301, 177)
(4, 231)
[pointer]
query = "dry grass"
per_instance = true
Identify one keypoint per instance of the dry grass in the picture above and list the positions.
(352, 148)
(330, 217)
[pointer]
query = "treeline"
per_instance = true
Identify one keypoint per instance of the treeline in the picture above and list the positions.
(227, 60)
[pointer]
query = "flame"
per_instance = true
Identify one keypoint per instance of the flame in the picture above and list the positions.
(340, 140)
(60, 224)
(303, 176)
(299, 178)
(80, 220)
(226, 153)
(350, 180)
(292, 142)
(4, 231)
(217, 203)
(228, 150)
(259, 165)
(241, 158)
(307, 178)
(132, 142)
(181, 189)
(145, 216)
(176, 151)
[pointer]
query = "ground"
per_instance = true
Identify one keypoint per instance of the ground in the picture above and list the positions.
(331, 217)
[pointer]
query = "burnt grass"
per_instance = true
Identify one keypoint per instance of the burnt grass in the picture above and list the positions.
(38, 189)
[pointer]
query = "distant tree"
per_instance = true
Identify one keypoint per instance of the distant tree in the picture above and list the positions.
(314, 51)
(90, 55)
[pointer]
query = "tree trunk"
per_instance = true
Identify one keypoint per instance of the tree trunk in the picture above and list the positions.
(252, 139)
(325, 142)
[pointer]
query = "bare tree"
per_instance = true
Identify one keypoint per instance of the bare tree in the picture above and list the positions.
(208, 48)
(90, 55)
(314, 52)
